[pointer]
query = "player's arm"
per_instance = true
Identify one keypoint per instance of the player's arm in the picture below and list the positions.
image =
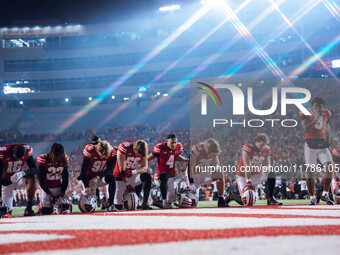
(84, 167)
(266, 162)
(182, 159)
(216, 161)
(32, 166)
(121, 163)
(327, 133)
(41, 178)
(144, 166)
(308, 126)
(193, 161)
(247, 164)
(64, 183)
(1, 171)
(3, 181)
(109, 167)
(152, 156)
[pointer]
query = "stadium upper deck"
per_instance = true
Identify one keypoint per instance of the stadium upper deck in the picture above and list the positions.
(149, 56)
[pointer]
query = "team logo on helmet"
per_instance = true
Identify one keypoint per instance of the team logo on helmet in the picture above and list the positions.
(87, 204)
(187, 199)
(248, 197)
(62, 206)
(130, 201)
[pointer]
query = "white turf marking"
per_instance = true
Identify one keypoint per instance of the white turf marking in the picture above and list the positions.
(69, 222)
(314, 212)
(280, 245)
(21, 238)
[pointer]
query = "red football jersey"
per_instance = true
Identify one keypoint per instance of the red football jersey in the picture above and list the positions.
(203, 159)
(97, 164)
(11, 166)
(256, 156)
(319, 130)
(336, 155)
(53, 172)
(167, 158)
(132, 161)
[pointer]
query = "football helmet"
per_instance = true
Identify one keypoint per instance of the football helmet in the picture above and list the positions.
(62, 206)
(248, 196)
(87, 203)
(187, 199)
(130, 201)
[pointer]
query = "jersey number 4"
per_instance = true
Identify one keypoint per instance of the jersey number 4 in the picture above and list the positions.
(171, 161)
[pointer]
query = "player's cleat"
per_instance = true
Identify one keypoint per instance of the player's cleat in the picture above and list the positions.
(222, 203)
(167, 205)
(326, 199)
(228, 198)
(112, 208)
(29, 212)
(157, 204)
(313, 201)
(272, 201)
(145, 206)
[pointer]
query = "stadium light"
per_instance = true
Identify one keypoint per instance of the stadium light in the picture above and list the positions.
(169, 8)
(66, 100)
(158, 93)
(21, 102)
(336, 63)
(90, 98)
(113, 97)
(165, 95)
(140, 94)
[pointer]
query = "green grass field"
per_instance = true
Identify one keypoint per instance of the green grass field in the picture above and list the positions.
(19, 211)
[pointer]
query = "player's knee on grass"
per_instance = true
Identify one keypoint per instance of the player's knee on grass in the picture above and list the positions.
(46, 210)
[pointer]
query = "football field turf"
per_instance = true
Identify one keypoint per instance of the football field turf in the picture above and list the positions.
(19, 211)
(234, 230)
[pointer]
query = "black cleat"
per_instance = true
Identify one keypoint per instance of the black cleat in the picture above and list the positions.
(145, 206)
(29, 212)
(112, 208)
(222, 203)
(272, 201)
(228, 198)
(326, 199)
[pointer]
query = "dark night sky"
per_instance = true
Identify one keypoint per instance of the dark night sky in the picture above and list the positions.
(30, 12)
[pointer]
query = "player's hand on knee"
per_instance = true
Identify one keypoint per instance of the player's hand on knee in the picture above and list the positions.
(93, 181)
(88, 191)
(17, 176)
(130, 188)
(52, 197)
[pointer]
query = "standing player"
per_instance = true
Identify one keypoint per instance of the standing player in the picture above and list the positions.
(96, 171)
(131, 171)
(12, 160)
(204, 155)
(53, 177)
(167, 154)
(336, 180)
(316, 147)
(251, 171)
